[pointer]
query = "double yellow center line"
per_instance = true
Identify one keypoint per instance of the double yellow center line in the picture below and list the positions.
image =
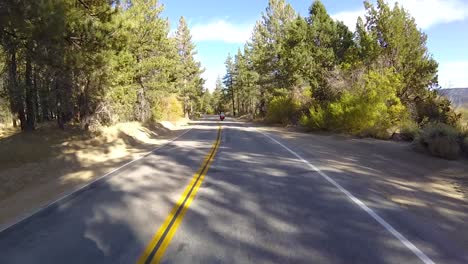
(156, 248)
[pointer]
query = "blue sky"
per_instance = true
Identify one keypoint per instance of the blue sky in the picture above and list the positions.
(221, 27)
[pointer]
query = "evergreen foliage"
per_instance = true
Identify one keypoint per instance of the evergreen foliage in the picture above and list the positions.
(101, 60)
(367, 82)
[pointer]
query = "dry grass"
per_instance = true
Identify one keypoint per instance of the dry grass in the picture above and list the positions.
(7, 131)
(463, 110)
(38, 167)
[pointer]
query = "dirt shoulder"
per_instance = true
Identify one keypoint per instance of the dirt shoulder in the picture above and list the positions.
(434, 189)
(39, 167)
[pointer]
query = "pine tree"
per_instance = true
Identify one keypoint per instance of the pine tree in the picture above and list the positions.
(146, 65)
(190, 81)
(206, 104)
(218, 97)
(402, 46)
(266, 46)
(246, 79)
(297, 62)
(323, 36)
(229, 82)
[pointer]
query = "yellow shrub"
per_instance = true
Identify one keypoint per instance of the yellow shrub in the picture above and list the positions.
(282, 110)
(372, 106)
(167, 108)
(316, 120)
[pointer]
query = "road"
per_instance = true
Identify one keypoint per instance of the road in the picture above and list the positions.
(248, 197)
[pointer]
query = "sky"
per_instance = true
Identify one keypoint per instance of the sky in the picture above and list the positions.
(222, 27)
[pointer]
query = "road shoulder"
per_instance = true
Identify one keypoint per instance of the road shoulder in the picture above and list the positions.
(35, 185)
(386, 173)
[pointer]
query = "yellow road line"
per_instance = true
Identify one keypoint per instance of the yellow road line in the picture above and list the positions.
(156, 248)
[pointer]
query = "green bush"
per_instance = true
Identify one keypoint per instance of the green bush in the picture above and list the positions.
(5, 113)
(316, 120)
(282, 110)
(167, 108)
(371, 108)
(375, 132)
(409, 130)
(463, 111)
(210, 111)
(441, 140)
(121, 100)
(196, 115)
(436, 109)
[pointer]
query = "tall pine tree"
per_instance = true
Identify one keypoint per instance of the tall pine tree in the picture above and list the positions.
(190, 81)
(266, 46)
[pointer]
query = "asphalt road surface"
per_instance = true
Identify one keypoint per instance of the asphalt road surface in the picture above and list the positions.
(240, 197)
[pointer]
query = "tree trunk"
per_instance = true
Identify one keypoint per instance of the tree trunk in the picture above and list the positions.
(30, 113)
(36, 96)
(191, 108)
(142, 109)
(186, 112)
(44, 98)
(262, 103)
(233, 100)
(16, 93)
(59, 111)
(64, 92)
(83, 102)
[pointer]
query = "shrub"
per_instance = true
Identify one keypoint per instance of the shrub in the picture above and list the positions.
(376, 132)
(409, 130)
(282, 110)
(167, 108)
(121, 100)
(371, 107)
(435, 108)
(315, 120)
(441, 140)
(5, 114)
(210, 111)
(196, 115)
(463, 111)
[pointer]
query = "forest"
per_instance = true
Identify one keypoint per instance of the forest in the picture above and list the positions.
(379, 80)
(94, 62)
(100, 62)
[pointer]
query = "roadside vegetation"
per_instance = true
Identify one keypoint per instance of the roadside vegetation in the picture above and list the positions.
(94, 63)
(377, 80)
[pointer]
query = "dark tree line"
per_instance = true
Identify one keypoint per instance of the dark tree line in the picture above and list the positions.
(90, 61)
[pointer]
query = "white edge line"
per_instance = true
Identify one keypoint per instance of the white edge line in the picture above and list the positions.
(91, 182)
(423, 257)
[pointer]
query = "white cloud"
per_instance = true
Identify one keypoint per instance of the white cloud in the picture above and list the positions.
(349, 18)
(431, 12)
(453, 74)
(221, 30)
(210, 76)
(427, 13)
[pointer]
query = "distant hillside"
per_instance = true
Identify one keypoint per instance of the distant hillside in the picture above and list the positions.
(458, 96)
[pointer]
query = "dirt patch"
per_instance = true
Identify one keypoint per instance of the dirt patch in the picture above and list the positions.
(7, 131)
(39, 167)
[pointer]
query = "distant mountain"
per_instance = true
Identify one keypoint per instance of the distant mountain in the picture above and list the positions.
(458, 96)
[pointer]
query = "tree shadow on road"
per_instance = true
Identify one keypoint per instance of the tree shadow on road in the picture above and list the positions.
(111, 220)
